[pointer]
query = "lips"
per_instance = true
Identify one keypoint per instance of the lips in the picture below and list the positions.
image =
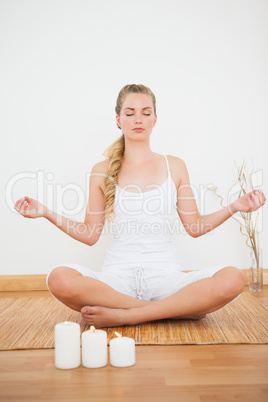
(138, 129)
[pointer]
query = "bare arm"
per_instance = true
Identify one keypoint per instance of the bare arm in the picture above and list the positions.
(87, 232)
(195, 224)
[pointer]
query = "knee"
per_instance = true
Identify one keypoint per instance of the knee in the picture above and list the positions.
(59, 283)
(233, 283)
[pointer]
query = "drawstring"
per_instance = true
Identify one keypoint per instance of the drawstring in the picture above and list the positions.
(140, 282)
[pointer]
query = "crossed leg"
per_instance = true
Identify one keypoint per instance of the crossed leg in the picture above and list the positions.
(76, 291)
(102, 306)
(201, 297)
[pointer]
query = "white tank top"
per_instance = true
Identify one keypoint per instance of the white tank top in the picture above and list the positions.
(143, 226)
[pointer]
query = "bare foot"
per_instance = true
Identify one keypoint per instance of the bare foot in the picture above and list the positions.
(190, 317)
(103, 316)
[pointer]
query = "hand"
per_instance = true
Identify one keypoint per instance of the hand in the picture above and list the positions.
(30, 208)
(249, 202)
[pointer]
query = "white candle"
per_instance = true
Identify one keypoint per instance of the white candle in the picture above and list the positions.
(122, 351)
(94, 348)
(67, 345)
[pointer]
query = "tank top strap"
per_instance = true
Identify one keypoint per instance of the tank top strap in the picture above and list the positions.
(167, 165)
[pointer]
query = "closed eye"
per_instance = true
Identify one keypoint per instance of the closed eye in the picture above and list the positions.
(144, 114)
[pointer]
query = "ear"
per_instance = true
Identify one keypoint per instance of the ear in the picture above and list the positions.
(155, 119)
(118, 121)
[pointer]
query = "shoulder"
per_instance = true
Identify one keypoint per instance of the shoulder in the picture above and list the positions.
(98, 173)
(100, 167)
(178, 169)
(176, 164)
(174, 160)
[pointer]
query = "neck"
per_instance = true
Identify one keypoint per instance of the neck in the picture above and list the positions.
(137, 152)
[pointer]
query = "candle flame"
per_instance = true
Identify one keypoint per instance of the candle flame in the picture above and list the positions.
(92, 328)
(117, 334)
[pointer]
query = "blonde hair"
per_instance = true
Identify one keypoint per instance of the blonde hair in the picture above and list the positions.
(115, 151)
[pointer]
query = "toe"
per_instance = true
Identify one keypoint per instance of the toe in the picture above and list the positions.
(87, 320)
(86, 310)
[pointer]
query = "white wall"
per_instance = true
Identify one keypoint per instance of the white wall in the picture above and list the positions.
(62, 66)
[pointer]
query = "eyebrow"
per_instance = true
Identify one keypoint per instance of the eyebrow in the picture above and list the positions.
(131, 108)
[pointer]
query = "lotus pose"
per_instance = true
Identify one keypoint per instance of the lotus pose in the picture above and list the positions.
(140, 194)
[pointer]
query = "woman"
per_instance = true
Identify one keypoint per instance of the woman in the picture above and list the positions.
(144, 192)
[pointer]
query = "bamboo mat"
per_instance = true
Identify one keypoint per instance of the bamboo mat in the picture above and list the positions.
(28, 323)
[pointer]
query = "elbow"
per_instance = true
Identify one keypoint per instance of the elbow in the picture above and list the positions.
(198, 227)
(90, 243)
(194, 234)
(90, 236)
(192, 229)
(92, 240)
(198, 233)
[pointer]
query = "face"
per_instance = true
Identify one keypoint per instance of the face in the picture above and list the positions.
(137, 112)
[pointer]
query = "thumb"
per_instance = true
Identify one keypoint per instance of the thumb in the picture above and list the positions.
(250, 198)
(28, 199)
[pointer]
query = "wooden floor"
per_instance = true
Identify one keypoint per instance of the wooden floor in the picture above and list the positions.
(161, 373)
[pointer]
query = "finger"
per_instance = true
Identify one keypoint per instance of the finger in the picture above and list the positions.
(251, 201)
(20, 209)
(19, 204)
(28, 199)
(257, 199)
(257, 202)
(262, 197)
(25, 211)
(23, 206)
(256, 192)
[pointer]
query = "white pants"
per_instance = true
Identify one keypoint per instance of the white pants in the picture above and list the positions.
(144, 281)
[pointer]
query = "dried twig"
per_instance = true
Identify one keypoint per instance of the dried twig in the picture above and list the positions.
(250, 226)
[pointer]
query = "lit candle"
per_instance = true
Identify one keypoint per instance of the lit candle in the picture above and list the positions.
(122, 351)
(67, 345)
(94, 348)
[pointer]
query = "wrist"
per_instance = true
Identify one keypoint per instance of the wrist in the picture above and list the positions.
(47, 213)
(232, 208)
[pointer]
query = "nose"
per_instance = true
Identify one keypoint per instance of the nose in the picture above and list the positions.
(138, 118)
